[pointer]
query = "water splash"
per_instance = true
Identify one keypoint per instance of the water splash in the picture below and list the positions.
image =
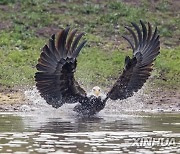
(34, 97)
(131, 104)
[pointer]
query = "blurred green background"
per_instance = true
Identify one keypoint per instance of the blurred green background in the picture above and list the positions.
(26, 25)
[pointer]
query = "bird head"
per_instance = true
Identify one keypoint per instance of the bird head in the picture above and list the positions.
(96, 91)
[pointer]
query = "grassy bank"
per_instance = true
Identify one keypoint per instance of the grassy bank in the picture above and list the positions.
(25, 27)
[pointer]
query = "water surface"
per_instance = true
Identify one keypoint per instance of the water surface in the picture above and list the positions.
(56, 131)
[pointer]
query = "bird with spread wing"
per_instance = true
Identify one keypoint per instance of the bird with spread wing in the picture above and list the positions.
(58, 60)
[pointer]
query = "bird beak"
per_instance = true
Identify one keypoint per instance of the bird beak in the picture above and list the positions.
(97, 92)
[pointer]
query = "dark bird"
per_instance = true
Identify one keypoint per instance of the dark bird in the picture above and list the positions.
(58, 60)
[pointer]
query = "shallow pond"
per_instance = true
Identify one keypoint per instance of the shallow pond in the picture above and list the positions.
(55, 131)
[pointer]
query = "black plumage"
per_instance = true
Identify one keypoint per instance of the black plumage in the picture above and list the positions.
(58, 60)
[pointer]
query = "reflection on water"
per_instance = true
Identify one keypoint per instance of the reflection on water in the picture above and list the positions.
(55, 131)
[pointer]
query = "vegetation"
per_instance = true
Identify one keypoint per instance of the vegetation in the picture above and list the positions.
(25, 27)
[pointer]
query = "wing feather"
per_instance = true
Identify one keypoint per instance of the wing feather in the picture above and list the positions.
(56, 66)
(134, 36)
(76, 41)
(138, 68)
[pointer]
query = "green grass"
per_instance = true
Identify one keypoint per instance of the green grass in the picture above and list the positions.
(31, 23)
(103, 71)
(167, 65)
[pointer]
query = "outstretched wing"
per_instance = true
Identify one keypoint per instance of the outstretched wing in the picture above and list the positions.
(138, 68)
(56, 66)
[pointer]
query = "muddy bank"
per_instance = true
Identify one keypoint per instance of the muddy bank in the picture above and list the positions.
(163, 100)
(158, 100)
(11, 101)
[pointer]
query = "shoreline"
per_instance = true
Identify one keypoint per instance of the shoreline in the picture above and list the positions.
(159, 100)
